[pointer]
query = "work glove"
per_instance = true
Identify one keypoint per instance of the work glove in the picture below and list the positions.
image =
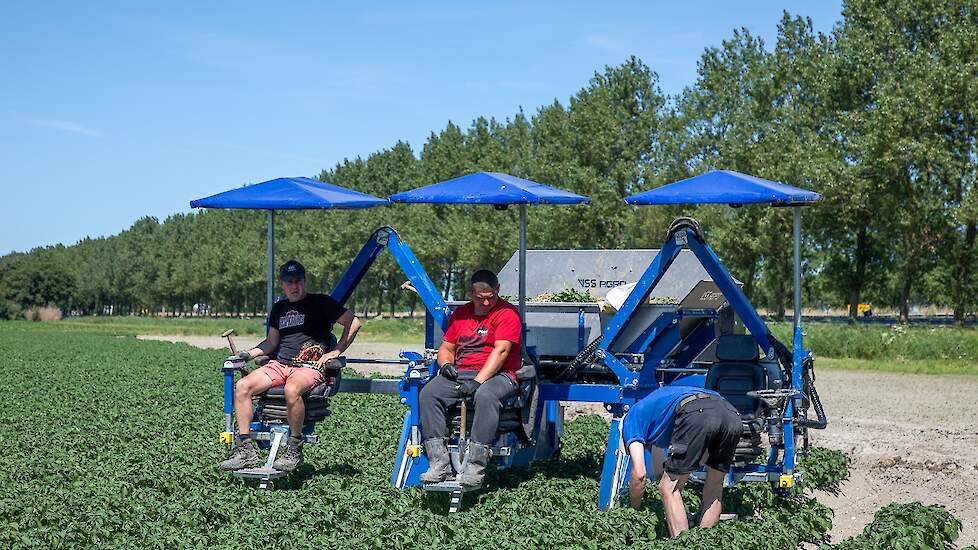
(468, 387)
(244, 356)
(448, 370)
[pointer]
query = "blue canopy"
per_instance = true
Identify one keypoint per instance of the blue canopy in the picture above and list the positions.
(289, 194)
(488, 188)
(726, 187)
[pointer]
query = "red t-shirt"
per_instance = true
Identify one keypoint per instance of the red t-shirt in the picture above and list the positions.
(475, 336)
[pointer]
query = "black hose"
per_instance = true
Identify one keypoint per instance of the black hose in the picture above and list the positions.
(821, 420)
(808, 375)
(583, 358)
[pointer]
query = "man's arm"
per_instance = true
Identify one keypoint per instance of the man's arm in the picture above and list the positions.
(351, 325)
(495, 361)
(266, 346)
(446, 353)
(636, 480)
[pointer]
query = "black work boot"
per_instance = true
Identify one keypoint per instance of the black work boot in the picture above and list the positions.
(475, 468)
(439, 467)
(291, 457)
(243, 455)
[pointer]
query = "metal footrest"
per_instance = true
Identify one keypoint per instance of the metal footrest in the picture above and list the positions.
(494, 451)
(448, 487)
(455, 488)
(264, 475)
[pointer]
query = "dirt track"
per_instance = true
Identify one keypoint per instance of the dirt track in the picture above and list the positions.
(911, 437)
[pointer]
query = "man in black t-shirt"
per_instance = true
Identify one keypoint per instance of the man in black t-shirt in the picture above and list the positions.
(299, 319)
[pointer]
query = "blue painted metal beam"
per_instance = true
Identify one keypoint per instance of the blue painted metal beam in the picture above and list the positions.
(663, 322)
(653, 274)
(359, 266)
(387, 237)
(734, 295)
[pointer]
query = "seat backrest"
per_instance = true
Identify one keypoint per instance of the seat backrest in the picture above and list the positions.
(737, 371)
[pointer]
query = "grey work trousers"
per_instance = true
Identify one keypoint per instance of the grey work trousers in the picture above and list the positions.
(439, 394)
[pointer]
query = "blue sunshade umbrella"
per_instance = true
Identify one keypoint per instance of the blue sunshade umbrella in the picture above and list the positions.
(287, 194)
(496, 189)
(736, 189)
(726, 187)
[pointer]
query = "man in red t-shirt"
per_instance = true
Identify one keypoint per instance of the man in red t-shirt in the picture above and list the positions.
(478, 359)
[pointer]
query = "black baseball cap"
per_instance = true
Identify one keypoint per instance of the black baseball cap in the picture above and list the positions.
(291, 270)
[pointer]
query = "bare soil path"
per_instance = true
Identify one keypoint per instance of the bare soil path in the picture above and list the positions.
(910, 437)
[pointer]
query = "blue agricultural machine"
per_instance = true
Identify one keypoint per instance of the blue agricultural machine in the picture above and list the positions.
(673, 315)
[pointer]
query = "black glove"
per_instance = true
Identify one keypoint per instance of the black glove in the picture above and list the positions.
(448, 370)
(244, 356)
(468, 387)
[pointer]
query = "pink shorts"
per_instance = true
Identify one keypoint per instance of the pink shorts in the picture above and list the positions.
(280, 372)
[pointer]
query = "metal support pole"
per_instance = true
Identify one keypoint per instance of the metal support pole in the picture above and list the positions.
(270, 282)
(522, 278)
(522, 264)
(797, 237)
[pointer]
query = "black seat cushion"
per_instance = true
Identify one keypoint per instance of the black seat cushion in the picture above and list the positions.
(737, 371)
(737, 347)
(272, 407)
(733, 380)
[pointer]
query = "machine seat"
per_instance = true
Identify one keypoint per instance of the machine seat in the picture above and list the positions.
(516, 411)
(737, 371)
(271, 404)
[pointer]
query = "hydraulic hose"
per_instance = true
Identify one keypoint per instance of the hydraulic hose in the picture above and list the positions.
(821, 420)
(808, 374)
(584, 357)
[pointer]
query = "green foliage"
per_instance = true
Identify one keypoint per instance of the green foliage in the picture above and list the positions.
(825, 469)
(880, 342)
(10, 309)
(123, 453)
(567, 295)
(113, 444)
(910, 526)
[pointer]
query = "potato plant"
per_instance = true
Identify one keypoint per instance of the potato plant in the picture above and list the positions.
(112, 442)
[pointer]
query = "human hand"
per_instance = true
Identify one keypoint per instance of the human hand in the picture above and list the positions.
(468, 387)
(328, 356)
(243, 355)
(449, 371)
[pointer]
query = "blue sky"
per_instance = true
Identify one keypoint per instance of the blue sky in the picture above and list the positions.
(110, 111)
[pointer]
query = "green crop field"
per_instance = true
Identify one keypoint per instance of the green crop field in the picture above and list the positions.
(112, 442)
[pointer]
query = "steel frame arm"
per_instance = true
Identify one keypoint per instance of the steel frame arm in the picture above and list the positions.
(387, 237)
(734, 295)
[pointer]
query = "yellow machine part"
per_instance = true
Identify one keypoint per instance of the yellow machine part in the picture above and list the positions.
(786, 482)
(227, 438)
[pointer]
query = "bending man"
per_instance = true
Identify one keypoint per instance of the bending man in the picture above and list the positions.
(698, 427)
(299, 319)
(478, 359)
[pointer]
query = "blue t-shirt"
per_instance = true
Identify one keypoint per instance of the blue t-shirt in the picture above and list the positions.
(651, 419)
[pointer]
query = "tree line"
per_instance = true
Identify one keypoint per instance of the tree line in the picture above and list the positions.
(880, 116)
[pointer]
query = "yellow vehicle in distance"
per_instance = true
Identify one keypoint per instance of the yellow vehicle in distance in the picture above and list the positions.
(865, 310)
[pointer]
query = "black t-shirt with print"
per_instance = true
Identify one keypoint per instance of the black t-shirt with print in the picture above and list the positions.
(311, 318)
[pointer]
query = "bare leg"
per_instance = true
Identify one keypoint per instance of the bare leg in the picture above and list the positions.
(253, 384)
(670, 488)
(295, 408)
(709, 512)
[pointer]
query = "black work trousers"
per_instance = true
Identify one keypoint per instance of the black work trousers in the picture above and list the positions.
(439, 394)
